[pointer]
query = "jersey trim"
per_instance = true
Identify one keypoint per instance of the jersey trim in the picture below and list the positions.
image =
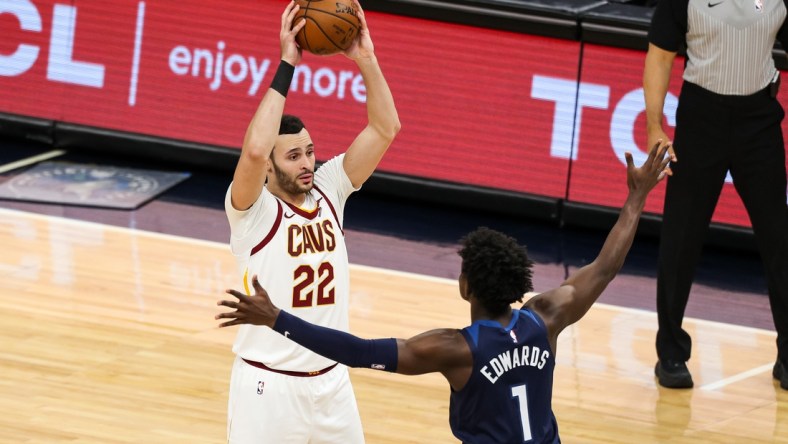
(331, 207)
(536, 318)
(262, 366)
(473, 330)
(306, 214)
(271, 233)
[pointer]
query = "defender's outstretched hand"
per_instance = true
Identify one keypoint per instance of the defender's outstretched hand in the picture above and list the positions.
(257, 309)
(655, 168)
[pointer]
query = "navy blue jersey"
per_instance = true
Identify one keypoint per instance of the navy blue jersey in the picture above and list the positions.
(508, 396)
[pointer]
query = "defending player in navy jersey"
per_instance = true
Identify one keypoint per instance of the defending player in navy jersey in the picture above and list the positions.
(500, 368)
(512, 377)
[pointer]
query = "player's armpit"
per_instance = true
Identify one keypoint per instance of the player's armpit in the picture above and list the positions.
(433, 351)
(554, 307)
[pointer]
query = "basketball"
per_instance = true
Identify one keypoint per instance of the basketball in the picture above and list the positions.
(331, 25)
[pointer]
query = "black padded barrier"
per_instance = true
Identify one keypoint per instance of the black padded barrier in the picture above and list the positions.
(622, 25)
(550, 18)
(27, 128)
(87, 138)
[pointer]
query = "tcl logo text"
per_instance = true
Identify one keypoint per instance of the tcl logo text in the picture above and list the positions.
(61, 65)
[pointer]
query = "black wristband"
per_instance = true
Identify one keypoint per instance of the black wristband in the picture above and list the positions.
(282, 78)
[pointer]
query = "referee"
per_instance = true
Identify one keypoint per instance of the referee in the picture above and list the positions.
(728, 119)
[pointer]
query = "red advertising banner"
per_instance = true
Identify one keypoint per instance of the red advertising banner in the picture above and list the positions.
(617, 124)
(479, 107)
(196, 70)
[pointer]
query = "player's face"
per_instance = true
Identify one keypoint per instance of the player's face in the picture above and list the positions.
(293, 163)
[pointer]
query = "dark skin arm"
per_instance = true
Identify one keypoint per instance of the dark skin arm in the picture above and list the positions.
(442, 350)
(565, 305)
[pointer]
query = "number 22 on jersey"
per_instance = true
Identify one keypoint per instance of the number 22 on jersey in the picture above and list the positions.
(306, 293)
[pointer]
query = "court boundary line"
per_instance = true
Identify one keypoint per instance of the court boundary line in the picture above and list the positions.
(423, 277)
(10, 166)
(736, 378)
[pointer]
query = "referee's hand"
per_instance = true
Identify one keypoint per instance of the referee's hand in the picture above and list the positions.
(659, 138)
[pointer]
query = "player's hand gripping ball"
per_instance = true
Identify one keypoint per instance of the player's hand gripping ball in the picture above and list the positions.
(331, 25)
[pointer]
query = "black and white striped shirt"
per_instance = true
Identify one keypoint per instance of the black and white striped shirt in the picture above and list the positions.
(729, 42)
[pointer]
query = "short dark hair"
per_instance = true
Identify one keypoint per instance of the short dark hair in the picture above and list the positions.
(496, 268)
(290, 125)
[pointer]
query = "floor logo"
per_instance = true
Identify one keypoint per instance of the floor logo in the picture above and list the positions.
(89, 185)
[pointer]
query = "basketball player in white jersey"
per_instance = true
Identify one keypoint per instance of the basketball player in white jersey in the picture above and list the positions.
(288, 230)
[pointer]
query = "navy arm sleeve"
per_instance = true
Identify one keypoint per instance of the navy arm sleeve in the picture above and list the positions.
(378, 354)
(668, 28)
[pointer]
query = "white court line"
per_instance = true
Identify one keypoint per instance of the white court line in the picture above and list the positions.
(226, 248)
(736, 378)
(406, 274)
(135, 64)
(30, 160)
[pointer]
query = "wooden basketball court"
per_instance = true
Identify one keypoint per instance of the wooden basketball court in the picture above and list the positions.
(107, 336)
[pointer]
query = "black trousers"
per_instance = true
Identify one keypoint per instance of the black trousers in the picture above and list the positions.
(715, 134)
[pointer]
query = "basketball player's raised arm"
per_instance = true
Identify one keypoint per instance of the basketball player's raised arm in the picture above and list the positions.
(383, 124)
(249, 176)
(568, 303)
(440, 350)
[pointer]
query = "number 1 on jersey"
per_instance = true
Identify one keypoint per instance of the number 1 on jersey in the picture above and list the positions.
(522, 398)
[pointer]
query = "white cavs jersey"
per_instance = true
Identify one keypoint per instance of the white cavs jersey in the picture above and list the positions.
(300, 258)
